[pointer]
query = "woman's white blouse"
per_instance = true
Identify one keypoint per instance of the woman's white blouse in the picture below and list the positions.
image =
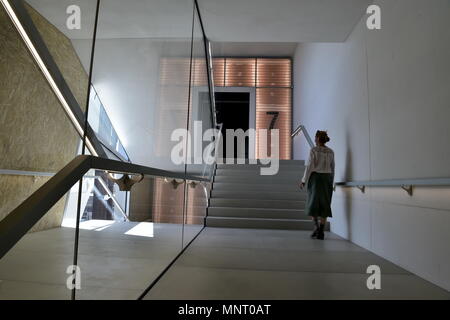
(321, 160)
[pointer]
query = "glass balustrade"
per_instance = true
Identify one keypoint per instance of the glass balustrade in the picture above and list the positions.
(143, 84)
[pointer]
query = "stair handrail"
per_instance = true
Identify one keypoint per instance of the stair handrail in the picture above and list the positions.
(19, 221)
(302, 128)
(405, 184)
(51, 174)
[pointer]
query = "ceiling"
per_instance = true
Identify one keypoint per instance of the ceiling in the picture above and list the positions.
(253, 49)
(122, 18)
(134, 33)
(249, 21)
(281, 20)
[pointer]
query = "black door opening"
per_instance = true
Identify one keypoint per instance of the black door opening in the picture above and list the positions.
(233, 110)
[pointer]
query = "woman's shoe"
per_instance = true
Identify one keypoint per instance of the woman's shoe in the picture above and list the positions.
(316, 229)
(321, 233)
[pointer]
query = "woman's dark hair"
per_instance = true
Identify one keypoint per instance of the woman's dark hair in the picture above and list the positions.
(323, 136)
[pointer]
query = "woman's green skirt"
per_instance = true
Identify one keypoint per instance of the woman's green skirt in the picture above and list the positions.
(320, 191)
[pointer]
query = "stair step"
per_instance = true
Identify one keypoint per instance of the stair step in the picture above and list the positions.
(263, 195)
(259, 179)
(281, 166)
(256, 203)
(258, 223)
(265, 213)
(243, 198)
(257, 172)
(237, 166)
(259, 161)
(243, 187)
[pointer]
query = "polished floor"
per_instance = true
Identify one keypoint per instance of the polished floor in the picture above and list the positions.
(280, 264)
(120, 260)
(117, 260)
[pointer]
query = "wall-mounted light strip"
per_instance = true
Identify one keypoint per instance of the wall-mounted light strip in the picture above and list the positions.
(47, 74)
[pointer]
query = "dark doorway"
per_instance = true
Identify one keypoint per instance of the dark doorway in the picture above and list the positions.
(233, 110)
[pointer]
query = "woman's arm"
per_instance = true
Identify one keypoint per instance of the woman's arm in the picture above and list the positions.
(308, 168)
(332, 166)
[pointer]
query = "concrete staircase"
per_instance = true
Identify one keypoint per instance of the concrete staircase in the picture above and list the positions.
(242, 198)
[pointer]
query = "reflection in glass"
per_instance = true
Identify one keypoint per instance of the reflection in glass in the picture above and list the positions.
(35, 268)
(103, 127)
(148, 84)
(119, 256)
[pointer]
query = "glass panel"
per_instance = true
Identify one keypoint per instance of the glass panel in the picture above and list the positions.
(273, 72)
(121, 254)
(199, 71)
(197, 195)
(101, 199)
(240, 72)
(219, 72)
(141, 75)
(59, 32)
(200, 121)
(145, 89)
(36, 267)
(102, 126)
(171, 113)
(200, 115)
(37, 138)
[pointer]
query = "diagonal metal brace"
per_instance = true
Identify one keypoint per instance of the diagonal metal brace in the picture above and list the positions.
(193, 184)
(408, 189)
(126, 181)
(175, 182)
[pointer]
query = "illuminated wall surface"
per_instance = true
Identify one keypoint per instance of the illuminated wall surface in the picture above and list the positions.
(272, 78)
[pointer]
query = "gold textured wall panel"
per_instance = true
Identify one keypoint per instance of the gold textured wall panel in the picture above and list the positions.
(278, 100)
(272, 78)
(240, 72)
(219, 72)
(273, 73)
(35, 133)
(199, 73)
(64, 55)
(14, 189)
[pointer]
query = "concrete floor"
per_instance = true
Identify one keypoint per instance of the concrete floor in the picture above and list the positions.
(117, 261)
(279, 264)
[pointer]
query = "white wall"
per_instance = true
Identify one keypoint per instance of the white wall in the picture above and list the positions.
(144, 104)
(384, 97)
(141, 70)
(125, 76)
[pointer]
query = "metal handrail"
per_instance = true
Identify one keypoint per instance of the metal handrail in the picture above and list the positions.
(397, 182)
(51, 174)
(14, 226)
(19, 221)
(405, 184)
(114, 153)
(302, 128)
